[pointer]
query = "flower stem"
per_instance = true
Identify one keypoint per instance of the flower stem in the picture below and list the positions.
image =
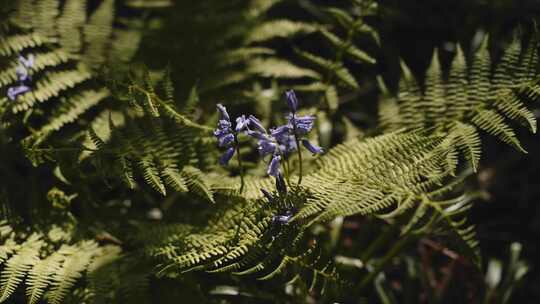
(239, 163)
(299, 159)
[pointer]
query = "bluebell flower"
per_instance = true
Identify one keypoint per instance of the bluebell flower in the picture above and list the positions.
(292, 101)
(253, 121)
(266, 147)
(302, 124)
(273, 167)
(311, 147)
(287, 144)
(13, 92)
(225, 135)
(223, 112)
(283, 218)
(241, 123)
(280, 132)
(23, 75)
(226, 157)
(28, 63)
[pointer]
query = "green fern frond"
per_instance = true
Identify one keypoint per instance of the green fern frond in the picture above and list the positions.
(18, 265)
(278, 29)
(482, 95)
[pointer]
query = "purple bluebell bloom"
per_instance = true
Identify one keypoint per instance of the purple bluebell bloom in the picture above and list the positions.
(287, 144)
(28, 63)
(225, 135)
(311, 147)
(22, 73)
(226, 157)
(23, 76)
(223, 112)
(257, 135)
(13, 92)
(280, 132)
(292, 101)
(241, 123)
(283, 218)
(273, 167)
(253, 121)
(266, 147)
(303, 124)
(225, 140)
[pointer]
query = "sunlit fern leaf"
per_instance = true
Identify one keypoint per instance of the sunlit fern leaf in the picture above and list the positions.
(469, 142)
(483, 95)
(76, 261)
(13, 44)
(40, 274)
(363, 177)
(494, 124)
(18, 265)
(51, 86)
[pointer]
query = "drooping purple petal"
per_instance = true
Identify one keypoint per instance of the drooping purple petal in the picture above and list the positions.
(257, 135)
(311, 147)
(225, 140)
(256, 123)
(279, 132)
(304, 124)
(292, 101)
(287, 144)
(223, 112)
(27, 62)
(13, 92)
(284, 218)
(241, 123)
(22, 73)
(266, 147)
(226, 157)
(224, 124)
(273, 167)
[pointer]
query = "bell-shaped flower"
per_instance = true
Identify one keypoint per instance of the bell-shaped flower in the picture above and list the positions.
(241, 123)
(256, 123)
(266, 147)
(226, 157)
(273, 167)
(292, 101)
(223, 112)
(13, 92)
(311, 147)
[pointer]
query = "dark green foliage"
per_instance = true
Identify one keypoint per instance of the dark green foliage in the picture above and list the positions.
(127, 202)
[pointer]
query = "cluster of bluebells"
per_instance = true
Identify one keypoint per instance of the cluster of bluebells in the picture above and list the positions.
(23, 76)
(278, 142)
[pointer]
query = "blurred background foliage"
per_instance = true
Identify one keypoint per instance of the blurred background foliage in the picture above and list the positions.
(245, 54)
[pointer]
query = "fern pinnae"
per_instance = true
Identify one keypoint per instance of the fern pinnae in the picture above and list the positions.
(40, 275)
(18, 265)
(76, 262)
